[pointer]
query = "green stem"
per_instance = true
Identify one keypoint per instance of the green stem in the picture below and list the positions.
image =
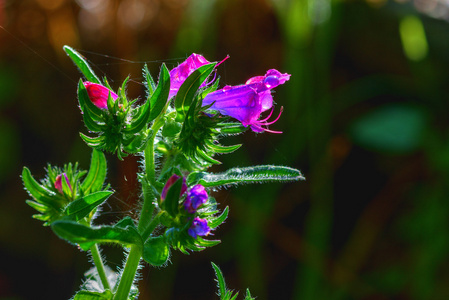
(127, 278)
(148, 183)
(153, 224)
(95, 252)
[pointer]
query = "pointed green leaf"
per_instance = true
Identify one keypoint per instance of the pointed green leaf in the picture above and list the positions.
(89, 295)
(189, 88)
(97, 173)
(207, 158)
(81, 207)
(220, 281)
(40, 193)
(82, 64)
(156, 251)
(256, 174)
(159, 98)
(86, 236)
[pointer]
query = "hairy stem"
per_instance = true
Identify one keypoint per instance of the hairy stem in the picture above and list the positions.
(127, 278)
(98, 261)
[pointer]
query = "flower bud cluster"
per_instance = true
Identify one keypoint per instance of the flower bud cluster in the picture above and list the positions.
(191, 199)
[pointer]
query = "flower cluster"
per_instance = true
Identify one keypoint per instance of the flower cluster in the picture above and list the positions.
(175, 130)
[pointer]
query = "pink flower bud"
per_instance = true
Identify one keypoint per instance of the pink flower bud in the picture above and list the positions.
(99, 94)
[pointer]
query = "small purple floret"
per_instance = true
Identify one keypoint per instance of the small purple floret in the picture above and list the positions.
(170, 182)
(99, 94)
(199, 228)
(179, 74)
(58, 182)
(196, 197)
(247, 102)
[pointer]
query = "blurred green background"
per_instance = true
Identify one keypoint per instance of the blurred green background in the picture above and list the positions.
(365, 119)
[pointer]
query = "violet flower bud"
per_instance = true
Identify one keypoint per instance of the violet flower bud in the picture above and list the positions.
(58, 182)
(179, 74)
(99, 94)
(170, 182)
(247, 102)
(196, 197)
(199, 228)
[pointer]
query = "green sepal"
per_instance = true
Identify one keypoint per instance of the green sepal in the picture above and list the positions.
(97, 173)
(140, 120)
(159, 97)
(149, 83)
(89, 295)
(42, 208)
(156, 251)
(40, 193)
(92, 141)
(82, 64)
(222, 149)
(231, 128)
(206, 243)
(256, 174)
(215, 222)
(86, 236)
(81, 207)
(207, 158)
(189, 89)
(171, 201)
(86, 105)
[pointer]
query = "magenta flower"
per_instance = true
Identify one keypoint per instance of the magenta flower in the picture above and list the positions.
(199, 228)
(99, 94)
(247, 102)
(196, 197)
(58, 182)
(179, 74)
(170, 182)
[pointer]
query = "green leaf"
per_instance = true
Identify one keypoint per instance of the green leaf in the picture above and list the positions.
(88, 295)
(171, 201)
(256, 174)
(156, 251)
(189, 88)
(159, 98)
(86, 236)
(220, 281)
(82, 64)
(97, 173)
(40, 193)
(81, 207)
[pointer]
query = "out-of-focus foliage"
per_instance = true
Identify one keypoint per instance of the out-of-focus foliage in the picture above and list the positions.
(366, 121)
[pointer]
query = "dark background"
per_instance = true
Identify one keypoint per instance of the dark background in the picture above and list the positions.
(365, 120)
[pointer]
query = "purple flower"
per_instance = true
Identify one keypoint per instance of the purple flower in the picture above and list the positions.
(247, 102)
(196, 197)
(179, 74)
(58, 182)
(199, 228)
(98, 94)
(170, 182)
